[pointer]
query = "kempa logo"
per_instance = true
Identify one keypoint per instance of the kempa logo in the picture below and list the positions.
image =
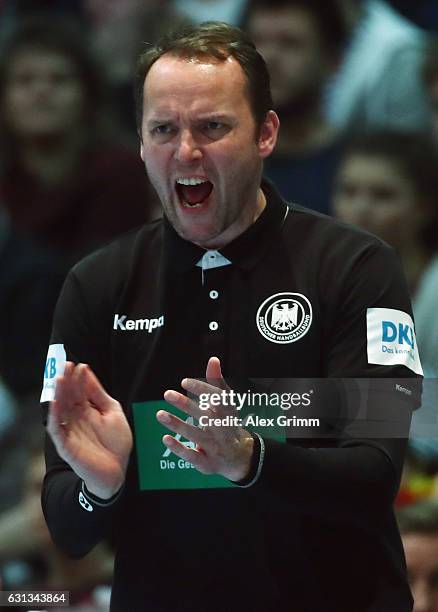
(284, 317)
(123, 323)
(403, 389)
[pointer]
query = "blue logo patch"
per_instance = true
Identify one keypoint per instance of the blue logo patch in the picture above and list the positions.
(403, 334)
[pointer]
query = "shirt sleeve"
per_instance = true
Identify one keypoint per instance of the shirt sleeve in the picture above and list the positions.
(355, 476)
(76, 520)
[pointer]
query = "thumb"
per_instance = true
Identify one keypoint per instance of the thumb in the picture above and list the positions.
(96, 393)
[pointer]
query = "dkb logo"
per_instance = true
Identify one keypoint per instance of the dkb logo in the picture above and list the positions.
(402, 333)
(50, 369)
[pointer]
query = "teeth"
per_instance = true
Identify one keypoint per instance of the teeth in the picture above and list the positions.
(191, 181)
(187, 205)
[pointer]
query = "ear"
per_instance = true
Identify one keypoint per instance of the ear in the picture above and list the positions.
(141, 150)
(268, 134)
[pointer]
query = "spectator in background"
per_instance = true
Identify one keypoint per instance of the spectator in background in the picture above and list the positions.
(379, 81)
(30, 282)
(419, 529)
(302, 42)
(29, 559)
(64, 181)
(230, 11)
(29, 285)
(388, 185)
(119, 29)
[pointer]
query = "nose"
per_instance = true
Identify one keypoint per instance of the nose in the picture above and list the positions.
(187, 150)
(362, 204)
(352, 207)
(42, 88)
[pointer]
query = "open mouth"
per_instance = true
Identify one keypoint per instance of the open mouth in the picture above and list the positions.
(193, 192)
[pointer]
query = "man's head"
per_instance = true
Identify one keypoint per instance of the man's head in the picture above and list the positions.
(211, 41)
(419, 528)
(205, 125)
(50, 84)
(301, 42)
(387, 184)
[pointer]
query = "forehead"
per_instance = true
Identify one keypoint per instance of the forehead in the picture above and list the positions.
(37, 57)
(197, 84)
(285, 20)
(371, 166)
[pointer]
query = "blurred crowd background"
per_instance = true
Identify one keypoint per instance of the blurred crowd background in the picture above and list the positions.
(355, 84)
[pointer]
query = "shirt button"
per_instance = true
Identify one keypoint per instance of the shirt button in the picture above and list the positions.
(214, 294)
(213, 325)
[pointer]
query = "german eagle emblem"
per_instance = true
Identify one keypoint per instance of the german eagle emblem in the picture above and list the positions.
(284, 316)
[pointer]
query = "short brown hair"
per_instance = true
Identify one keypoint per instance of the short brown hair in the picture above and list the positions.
(327, 15)
(218, 41)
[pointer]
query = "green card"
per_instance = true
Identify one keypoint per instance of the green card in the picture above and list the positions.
(158, 467)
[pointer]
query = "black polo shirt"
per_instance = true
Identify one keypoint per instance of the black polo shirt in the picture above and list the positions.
(297, 295)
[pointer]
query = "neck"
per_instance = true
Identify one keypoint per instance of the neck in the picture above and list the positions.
(240, 226)
(51, 159)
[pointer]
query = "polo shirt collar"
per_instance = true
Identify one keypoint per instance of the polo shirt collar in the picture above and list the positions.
(245, 251)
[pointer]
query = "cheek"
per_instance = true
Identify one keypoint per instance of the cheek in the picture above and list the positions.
(154, 158)
(15, 99)
(391, 217)
(71, 100)
(344, 209)
(17, 110)
(156, 165)
(390, 226)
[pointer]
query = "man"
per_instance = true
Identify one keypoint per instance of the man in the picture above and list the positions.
(419, 527)
(379, 84)
(302, 44)
(231, 283)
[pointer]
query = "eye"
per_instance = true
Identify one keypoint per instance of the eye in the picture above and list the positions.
(214, 125)
(163, 129)
(215, 129)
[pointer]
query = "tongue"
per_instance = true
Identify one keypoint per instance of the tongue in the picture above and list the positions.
(195, 194)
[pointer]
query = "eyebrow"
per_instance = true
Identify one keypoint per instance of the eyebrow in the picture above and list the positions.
(154, 121)
(159, 121)
(214, 116)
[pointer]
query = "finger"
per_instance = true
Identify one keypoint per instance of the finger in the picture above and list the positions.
(198, 387)
(55, 429)
(209, 397)
(66, 376)
(79, 383)
(178, 426)
(66, 403)
(183, 402)
(96, 393)
(196, 457)
(214, 375)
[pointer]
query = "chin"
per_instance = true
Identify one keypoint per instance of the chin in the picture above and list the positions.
(199, 236)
